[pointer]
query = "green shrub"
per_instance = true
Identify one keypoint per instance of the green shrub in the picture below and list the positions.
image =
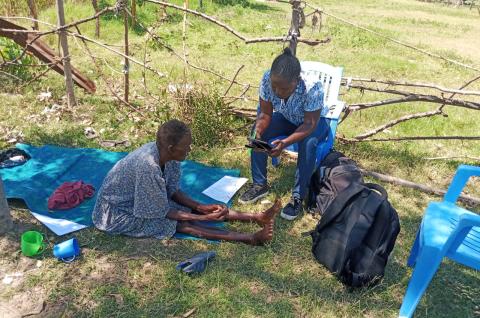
(10, 51)
(207, 115)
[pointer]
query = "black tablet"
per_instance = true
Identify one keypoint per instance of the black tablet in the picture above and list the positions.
(258, 144)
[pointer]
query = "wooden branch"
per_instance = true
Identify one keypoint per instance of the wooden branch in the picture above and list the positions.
(241, 96)
(39, 34)
(40, 75)
(243, 114)
(131, 59)
(67, 69)
(171, 50)
(397, 181)
(410, 97)
(282, 39)
(398, 121)
(231, 30)
(413, 116)
(144, 78)
(351, 140)
(403, 83)
(253, 111)
(105, 81)
(462, 87)
(11, 75)
(395, 41)
(233, 79)
(126, 65)
(453, 157)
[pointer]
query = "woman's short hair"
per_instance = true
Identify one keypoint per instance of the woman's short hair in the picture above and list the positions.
(286, 66)
(171, 132)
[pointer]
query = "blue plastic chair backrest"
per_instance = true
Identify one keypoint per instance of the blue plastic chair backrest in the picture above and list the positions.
(330, 77)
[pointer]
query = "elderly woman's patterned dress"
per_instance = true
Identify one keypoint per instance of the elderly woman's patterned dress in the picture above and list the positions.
(135, 197)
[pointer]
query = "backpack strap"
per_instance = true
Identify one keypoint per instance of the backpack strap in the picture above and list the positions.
(378, 188)
(337, 205)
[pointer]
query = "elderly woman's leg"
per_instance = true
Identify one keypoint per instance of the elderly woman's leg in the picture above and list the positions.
(260, 218)
(257, 238)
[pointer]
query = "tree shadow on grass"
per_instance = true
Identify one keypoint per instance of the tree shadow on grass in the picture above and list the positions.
(281, 279)
(69, 137)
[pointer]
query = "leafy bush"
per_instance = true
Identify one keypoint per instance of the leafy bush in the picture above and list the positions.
(243, 3)
(207, 115)
(10, 51)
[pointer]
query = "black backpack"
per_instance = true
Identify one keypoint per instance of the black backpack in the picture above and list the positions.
(335, 174)
(356, 234)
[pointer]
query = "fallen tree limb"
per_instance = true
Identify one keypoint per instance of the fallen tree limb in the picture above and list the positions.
(404, 183)
(397, 181)
(397, 121)
(416, 98)
(243, 114)
(351, 140)
(453, 157)
(462, 87)
(345, 80)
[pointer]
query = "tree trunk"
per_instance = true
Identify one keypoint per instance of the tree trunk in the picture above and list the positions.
(33, 13)
(294, 32)
(6, 223)
(134, 12)
(97, 21)
(66, 55)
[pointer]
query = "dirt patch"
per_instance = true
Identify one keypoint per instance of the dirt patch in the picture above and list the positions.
(29, 302)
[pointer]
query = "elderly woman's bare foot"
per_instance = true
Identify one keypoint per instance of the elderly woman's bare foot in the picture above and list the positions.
(264, 235)
(266, 216)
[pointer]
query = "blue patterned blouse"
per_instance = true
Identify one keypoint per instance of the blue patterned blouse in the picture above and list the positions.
(307, 97)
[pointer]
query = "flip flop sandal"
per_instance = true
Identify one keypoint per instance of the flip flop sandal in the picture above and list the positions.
(196, 264)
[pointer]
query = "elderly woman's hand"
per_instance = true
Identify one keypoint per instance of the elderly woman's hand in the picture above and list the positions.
(209, 208)
(216, 216)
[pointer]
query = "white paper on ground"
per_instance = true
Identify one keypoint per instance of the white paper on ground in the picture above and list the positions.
(225, 188)
(59, 226)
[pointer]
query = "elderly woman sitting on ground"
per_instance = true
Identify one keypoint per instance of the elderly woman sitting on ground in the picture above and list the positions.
(140, 196)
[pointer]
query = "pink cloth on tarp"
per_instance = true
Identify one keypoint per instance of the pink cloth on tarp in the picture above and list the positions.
(70, 194)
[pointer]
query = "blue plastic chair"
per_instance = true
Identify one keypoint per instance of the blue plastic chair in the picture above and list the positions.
(447, 230)
(330, 77)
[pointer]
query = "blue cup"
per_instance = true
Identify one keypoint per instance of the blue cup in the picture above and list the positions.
(67, 250)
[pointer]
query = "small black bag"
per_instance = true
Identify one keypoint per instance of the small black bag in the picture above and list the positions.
(356, 234)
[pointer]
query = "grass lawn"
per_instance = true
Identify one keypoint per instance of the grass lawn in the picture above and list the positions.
(124, 277)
